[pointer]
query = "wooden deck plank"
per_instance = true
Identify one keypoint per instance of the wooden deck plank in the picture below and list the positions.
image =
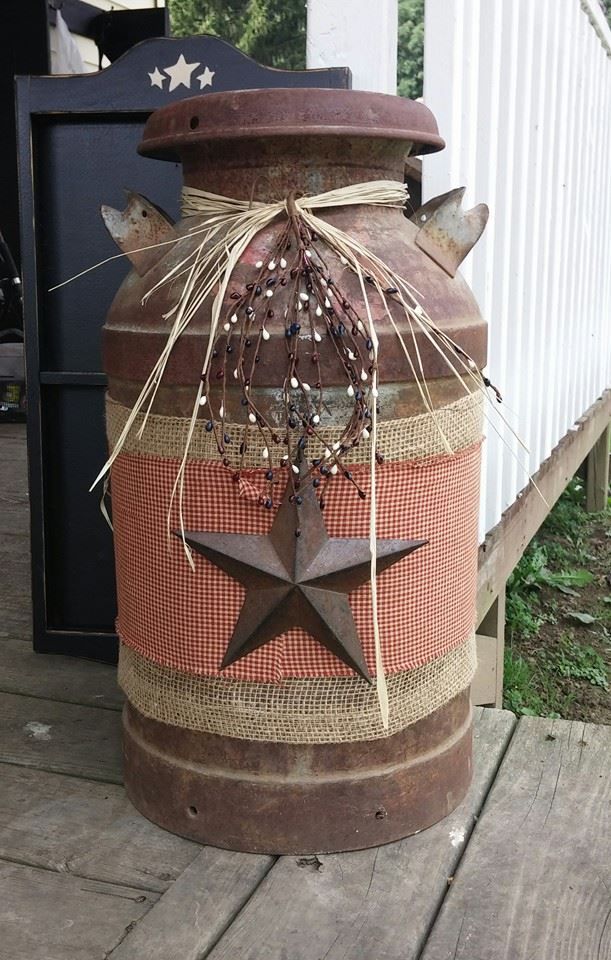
(13, 434)
(193, 914)
(375, 903)
(15, 599)
(60, 737)
(535, 881)
(13, 517)
(16, 548)
(19, 588)
(50, 916)
(15, 593)
(16, 625)
(85, 828)
(597, 472)
(57, 678)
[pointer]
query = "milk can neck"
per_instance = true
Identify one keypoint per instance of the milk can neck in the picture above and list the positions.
(267, 170)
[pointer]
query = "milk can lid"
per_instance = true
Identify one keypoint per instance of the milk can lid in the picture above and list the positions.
(319, 112)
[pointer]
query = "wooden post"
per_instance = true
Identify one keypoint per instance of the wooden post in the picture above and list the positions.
(597, 473)
(363, 38)
(487, 687)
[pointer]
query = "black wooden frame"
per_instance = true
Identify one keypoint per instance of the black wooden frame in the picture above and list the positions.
(109, 95)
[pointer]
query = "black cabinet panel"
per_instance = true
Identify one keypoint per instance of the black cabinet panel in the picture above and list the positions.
(77, 140)
(81, 164)
(79, 580)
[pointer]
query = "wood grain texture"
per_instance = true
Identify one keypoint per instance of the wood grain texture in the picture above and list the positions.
(483, 686)
(61, 737)
(49, 916)
(13, 516)
(14, 433)
(597, 473)
(15, 595)
(57, 678)
(491, 654)
(87, 829)
(376, 903)
(535, 881)
(192, 915)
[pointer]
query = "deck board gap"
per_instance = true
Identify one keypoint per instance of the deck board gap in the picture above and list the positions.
(237, 912)
(437, 907)
(64, 773)
(4, 858)
(72, 703)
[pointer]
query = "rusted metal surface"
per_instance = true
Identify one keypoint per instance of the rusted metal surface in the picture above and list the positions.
(275, 797)
(395, 400)
(297, 576)
(256, 114)
(447, 232)
(284, 798)
(135, 334)
(139, 226)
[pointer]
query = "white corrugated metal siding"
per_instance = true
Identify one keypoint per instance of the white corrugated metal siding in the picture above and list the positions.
(522, 94)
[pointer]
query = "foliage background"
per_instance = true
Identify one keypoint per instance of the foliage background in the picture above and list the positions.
(274, 32)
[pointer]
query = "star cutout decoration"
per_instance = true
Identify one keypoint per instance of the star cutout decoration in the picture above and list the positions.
(180, 73)
(205, 78)
(298, 576)
(157, 78)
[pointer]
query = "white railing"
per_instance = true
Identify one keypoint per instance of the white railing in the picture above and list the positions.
(522, 94)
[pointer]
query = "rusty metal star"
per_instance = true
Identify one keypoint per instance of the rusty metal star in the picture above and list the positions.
(298, 579)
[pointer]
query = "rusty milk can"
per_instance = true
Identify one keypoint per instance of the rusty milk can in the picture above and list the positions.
(282, 749)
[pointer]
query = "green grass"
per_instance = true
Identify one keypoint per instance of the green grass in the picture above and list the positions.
(536, 688)
(535, 680)
(577, 661)
(565, 530)
(519, 687)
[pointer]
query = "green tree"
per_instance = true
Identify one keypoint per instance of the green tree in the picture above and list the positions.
(274, 33)
(410, 53)
(271, 32)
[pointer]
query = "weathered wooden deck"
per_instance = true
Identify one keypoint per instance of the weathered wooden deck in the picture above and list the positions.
(521, 871)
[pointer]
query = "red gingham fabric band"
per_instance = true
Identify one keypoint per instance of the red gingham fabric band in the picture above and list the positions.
(184, 619)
